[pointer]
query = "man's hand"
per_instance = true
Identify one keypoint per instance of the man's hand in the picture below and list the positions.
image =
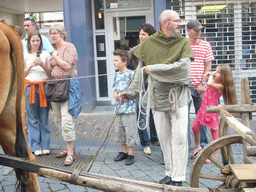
(200, 88)
(123, 96)
(145, 69)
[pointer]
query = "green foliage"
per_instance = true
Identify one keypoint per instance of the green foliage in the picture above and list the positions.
(35, 16)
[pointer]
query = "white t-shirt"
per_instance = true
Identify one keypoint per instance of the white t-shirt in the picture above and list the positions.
(36, 73)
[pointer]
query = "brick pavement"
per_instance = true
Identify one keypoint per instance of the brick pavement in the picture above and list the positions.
(91, 129)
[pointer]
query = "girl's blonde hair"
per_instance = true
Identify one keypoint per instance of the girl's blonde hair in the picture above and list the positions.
(229, 93)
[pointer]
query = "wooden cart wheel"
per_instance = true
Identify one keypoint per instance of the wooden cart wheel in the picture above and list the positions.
(216, 174)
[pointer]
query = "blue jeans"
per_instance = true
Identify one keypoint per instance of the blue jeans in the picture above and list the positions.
(197, 100)
(152, 128)
(39, 132)
(143, 134)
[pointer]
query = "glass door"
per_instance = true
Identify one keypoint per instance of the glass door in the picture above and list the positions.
(123, 32)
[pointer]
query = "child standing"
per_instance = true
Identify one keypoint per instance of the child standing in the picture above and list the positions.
(221, 83)
(125, 123)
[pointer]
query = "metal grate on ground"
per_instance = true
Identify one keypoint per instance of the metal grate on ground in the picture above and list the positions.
(80, 162)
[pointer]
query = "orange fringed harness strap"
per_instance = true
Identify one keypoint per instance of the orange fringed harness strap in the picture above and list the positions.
(32, 99)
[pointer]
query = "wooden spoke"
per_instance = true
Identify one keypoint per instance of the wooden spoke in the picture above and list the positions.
(224, 155)
(213, 177)
(215, 161)
(230, 154)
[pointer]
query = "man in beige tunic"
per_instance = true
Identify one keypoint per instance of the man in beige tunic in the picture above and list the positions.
(165, 58)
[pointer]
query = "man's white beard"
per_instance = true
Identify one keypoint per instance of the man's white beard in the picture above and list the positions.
(175, 34)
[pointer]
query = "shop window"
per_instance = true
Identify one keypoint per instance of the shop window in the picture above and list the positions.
(101, 48)
(99, 14)
(126, 31)
(103, 80)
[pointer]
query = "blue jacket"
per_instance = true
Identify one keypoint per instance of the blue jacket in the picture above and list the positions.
(75, 96)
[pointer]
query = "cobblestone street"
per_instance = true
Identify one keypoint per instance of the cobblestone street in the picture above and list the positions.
(91, 129)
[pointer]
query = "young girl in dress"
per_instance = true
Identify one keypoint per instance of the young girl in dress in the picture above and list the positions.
(220, 83)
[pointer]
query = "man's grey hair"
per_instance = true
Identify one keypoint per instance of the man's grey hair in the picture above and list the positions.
(166, 14)
(33, 22)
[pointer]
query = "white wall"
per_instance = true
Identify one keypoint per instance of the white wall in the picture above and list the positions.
(13, 19)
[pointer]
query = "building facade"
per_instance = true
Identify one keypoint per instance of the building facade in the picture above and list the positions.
(98, 27)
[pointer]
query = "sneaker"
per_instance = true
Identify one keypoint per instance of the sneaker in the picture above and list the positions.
(46, 151)
(121, 156)
(166, 180)
(38, 152)
(177, 183)
(147, 150)
(130, 160)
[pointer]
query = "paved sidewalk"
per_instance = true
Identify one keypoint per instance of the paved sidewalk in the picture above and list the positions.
(91, 130)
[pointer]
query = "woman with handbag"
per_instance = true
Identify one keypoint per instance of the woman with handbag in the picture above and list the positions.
(37, 69)
(64, 59)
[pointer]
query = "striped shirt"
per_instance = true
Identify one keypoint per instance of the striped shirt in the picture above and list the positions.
(202, 53)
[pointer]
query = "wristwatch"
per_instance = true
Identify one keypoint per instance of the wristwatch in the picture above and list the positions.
(203, 82)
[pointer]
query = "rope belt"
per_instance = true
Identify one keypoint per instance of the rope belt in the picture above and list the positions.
(173, 99)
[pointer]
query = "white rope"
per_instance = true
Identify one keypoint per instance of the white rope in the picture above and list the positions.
(142, 100)
(173, 100)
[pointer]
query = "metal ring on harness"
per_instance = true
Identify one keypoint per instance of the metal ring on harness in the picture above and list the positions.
(74, 176)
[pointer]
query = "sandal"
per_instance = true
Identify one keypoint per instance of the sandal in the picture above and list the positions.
(69, 160)
(195, 153)
(62, 154)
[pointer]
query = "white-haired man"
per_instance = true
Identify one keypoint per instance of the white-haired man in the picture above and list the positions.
(165, 57)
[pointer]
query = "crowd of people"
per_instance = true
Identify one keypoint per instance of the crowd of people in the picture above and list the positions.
(154, 86)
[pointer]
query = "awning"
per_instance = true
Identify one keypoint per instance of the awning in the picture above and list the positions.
(211, 8)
